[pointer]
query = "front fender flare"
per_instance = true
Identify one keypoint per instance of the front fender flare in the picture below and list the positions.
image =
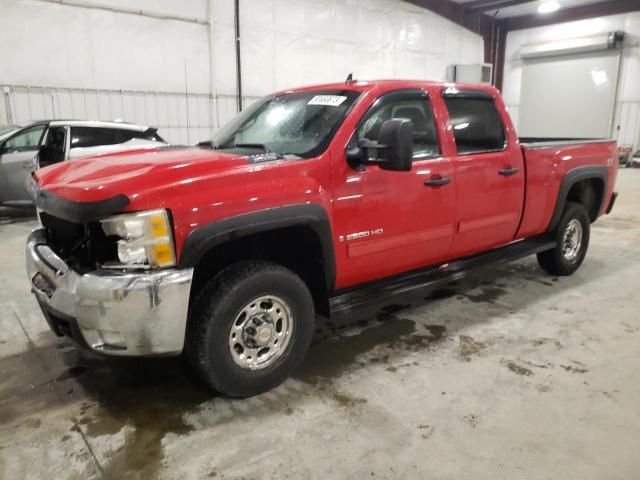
(203, 239)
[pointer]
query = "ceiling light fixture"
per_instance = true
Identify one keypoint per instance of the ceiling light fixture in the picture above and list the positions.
(548, 7)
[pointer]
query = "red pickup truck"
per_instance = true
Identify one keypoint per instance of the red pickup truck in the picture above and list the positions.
(311, 200)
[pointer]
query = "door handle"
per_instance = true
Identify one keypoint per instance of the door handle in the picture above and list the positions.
(508, 171)
(29, 166)
(437, 182)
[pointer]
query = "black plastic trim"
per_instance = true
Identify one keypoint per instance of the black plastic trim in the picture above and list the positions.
(79, 212)
(63, 325)
(353, 298)
(570, 179)
(203, 239)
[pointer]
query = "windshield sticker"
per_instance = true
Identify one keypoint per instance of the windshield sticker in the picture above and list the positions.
(327, 100)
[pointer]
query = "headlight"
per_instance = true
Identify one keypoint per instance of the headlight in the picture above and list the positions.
(145, 238)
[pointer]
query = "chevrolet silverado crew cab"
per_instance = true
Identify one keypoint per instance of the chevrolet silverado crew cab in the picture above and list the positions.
(310, 200)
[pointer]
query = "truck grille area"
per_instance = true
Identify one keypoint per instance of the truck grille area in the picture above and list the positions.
(83, 246)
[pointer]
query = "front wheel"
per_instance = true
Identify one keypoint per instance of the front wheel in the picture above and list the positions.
(250, 327)
(572, 241)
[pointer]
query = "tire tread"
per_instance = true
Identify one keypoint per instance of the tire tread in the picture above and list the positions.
(220, 287)
(552, 260)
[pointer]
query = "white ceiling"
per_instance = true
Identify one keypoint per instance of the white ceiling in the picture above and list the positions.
(530, 7)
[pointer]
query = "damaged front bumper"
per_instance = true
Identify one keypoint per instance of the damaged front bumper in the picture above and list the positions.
(112, 312)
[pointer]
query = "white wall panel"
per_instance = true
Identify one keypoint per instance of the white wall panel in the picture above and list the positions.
(196, 9)
(322, 41)
(78, 62)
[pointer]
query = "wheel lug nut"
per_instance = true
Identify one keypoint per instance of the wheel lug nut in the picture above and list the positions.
(256, 321)
(251, 331)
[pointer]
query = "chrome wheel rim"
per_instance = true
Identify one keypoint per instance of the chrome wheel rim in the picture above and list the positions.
(260, 332)
(572, 240)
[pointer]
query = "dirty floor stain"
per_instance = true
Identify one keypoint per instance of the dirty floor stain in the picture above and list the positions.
(486, 295)
(468, 347)
(517, 369)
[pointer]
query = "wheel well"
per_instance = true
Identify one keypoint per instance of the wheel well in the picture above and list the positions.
(589, 193)
(297, 248)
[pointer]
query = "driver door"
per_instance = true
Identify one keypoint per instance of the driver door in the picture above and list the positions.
(388, 222)
(17, 160)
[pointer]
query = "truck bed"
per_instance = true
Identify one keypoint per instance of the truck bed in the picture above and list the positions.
(547, 163)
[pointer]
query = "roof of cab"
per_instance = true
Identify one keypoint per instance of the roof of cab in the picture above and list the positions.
(391, 84)
(98, 123)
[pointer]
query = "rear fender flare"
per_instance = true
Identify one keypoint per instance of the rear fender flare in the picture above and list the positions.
(570, 179)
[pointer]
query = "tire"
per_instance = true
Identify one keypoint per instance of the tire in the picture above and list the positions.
(232, 316)
(570, 251)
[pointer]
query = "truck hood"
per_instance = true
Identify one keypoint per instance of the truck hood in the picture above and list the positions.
(134, 174)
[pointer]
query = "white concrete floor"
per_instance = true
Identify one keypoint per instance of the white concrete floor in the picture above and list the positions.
(510, 374)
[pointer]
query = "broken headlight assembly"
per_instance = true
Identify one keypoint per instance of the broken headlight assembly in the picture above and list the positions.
(145, 239)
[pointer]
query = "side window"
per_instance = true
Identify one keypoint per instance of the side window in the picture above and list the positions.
(413, 106)
(25, 141)
(82, 137)
(477, 126)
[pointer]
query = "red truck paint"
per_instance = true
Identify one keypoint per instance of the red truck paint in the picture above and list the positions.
(420, 226)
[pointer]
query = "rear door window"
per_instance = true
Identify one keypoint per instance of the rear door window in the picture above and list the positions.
(477, 126)
(82, 137)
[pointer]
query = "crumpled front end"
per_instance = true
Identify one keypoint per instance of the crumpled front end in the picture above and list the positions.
(129, 313)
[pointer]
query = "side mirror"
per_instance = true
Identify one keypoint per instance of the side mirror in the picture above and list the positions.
(396, 144)
(392, 151)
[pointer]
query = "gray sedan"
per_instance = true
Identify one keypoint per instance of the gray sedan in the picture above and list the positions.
(45, 143)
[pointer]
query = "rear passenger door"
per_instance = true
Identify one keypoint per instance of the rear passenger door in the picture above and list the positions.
(489, 174)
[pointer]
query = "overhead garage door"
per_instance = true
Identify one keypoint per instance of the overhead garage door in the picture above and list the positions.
(569, 94)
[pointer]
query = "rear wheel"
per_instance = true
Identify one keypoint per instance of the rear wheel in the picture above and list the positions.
(250, 328)
(572, 241)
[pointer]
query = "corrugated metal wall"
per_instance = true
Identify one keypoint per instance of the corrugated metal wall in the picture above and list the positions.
(181, 118)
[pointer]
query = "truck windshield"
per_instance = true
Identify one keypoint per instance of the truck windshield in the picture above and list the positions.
(299, 124)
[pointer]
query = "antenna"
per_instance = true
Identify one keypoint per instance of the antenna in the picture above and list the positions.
(349, 78)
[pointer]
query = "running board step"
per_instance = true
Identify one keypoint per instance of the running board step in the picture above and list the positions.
(357, 297)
